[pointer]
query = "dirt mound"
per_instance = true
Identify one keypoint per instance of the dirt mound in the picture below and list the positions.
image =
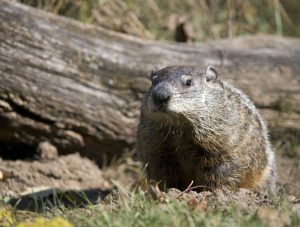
(70, 172)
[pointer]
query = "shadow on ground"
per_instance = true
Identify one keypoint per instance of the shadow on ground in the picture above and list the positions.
(47, 199)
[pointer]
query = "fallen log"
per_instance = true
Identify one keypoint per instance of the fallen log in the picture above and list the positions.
(79, 86)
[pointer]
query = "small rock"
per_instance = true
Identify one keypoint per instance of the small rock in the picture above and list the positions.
(173, 192)
(47, 151)
(4, 175)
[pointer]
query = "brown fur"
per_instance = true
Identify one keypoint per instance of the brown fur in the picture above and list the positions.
(209, 133)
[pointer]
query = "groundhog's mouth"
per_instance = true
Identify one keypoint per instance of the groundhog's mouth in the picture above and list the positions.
(163, 108)
(162, 112)
(158, 107)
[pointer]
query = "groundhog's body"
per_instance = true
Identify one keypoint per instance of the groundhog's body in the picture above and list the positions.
(194, 127)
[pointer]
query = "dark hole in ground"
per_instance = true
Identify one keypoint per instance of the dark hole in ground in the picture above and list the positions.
(53, 198)
(15, 151)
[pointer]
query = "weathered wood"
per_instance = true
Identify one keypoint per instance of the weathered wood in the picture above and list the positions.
(79, 86)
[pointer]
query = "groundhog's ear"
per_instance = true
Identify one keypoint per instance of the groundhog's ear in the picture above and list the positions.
(153, 74)
(211, 73)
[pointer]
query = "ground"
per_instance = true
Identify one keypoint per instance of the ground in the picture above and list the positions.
(77, 189)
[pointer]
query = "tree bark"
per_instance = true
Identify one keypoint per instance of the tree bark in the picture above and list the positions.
(79, 87)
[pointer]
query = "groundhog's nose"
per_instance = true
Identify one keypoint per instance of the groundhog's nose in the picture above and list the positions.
(161, 96)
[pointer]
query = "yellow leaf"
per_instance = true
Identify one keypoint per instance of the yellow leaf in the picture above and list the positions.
(56, 222)
(6, 219)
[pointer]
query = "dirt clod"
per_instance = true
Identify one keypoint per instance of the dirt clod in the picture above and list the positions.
(47, 151)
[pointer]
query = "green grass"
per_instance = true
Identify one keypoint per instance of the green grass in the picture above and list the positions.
(124, 208)
(141, 211)
(138, 210)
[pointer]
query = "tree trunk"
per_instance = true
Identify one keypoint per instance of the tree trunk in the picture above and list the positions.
(79, 87)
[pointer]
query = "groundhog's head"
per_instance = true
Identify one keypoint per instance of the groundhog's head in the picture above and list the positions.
(181, 90)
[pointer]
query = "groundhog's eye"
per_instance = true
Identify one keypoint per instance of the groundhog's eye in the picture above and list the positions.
(188, 82)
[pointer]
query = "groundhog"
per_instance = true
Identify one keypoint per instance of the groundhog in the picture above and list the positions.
(196, 128)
